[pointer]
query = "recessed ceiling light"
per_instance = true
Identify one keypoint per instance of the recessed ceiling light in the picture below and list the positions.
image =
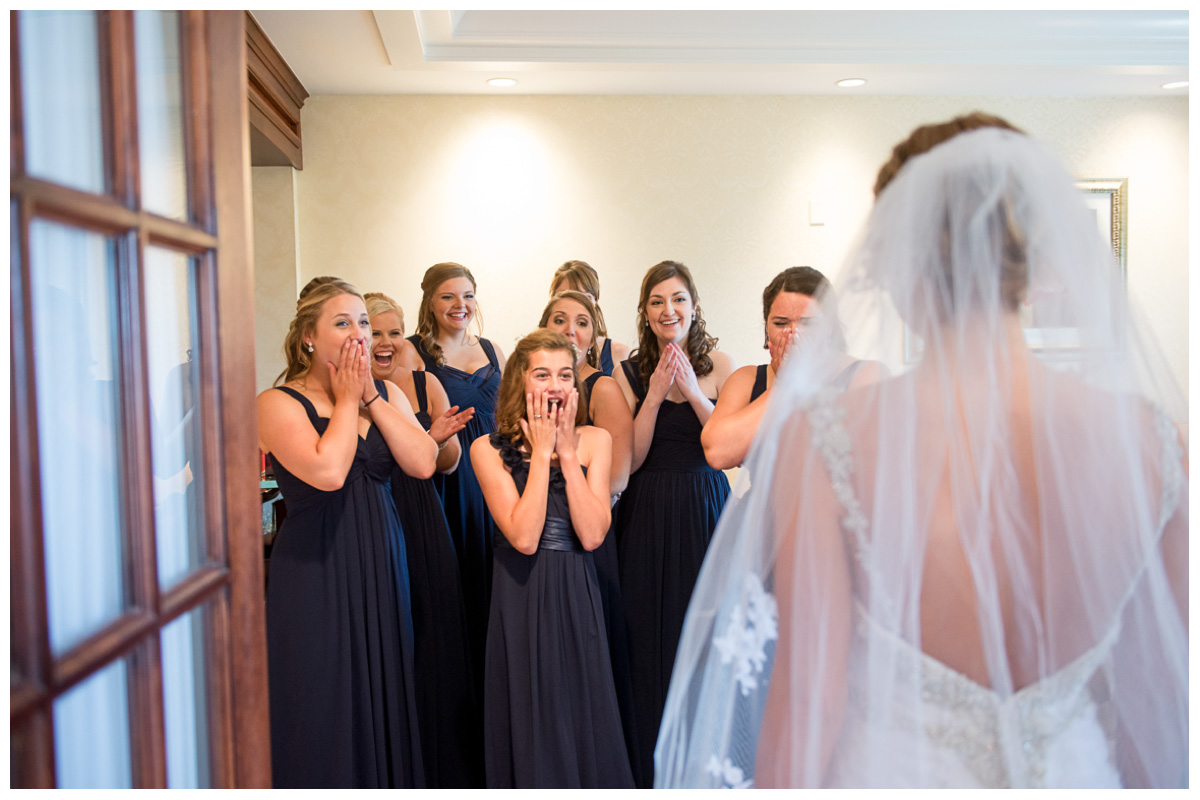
(849, 82)
(1175, 85)
(501, 82)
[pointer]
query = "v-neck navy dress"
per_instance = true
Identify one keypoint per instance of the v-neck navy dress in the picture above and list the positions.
(339, 630)
(665, 520)
(448, 708)
(470, 523)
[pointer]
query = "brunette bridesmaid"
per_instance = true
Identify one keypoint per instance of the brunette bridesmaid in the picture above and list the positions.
(791, 302)
(667, 515)
(469, 368)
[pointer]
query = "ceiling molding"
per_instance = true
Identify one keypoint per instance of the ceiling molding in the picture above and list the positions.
(1059, 53)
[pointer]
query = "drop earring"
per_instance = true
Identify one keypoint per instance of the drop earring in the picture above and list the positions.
(308, 346)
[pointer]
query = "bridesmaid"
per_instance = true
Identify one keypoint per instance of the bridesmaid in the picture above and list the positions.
(580, 276)
(791, 301)
(574, 315)
(667, 515)
(339, 629)
(449, 712)
(469, 368)
(550, 713)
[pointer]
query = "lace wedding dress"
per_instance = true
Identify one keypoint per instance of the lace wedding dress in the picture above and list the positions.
(972, 574)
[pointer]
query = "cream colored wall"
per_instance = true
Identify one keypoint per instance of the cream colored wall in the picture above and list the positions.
(276, 266)
(513, 186)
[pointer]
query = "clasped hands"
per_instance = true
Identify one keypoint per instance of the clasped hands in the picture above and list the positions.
(674, 369)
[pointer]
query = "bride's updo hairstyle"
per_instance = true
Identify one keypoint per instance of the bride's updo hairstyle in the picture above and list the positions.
(976, 206)
(927, 137)
(308, 310)
(510, 409)
(427, 327)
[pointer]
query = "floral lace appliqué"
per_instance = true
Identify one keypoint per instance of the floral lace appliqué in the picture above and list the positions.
(753, 622)
(730, 775)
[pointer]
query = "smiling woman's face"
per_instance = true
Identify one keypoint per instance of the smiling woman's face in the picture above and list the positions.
(669, 310)
(387, 332)
(453, 305)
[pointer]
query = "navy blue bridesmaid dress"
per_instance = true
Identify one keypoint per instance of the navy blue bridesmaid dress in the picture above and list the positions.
(339, 631)
(609, 577)
(449, 713)
(665, 520)
(551, 719)
(466, 511)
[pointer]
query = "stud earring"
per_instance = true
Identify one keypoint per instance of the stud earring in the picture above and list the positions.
(308, 346)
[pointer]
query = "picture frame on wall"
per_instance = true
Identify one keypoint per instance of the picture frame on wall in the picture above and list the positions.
(1108, 198)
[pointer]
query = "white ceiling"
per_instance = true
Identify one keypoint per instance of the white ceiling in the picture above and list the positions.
(1069, 53)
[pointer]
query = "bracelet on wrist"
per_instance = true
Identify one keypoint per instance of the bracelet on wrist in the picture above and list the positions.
(442, 446)
(372, 400)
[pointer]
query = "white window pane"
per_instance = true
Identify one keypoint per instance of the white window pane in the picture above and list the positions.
(60, 92)
(91, 733)
(175, 425)
(160, 113)
(79, 431)
(185, 703)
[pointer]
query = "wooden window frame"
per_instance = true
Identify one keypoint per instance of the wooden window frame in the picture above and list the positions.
(229, 585)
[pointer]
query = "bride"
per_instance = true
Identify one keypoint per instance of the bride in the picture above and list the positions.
(973, 574)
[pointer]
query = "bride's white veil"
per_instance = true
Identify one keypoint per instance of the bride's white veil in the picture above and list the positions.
(974, 572)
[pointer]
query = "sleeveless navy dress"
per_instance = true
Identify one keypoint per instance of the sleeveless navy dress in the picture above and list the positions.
(760, 382)
(550, 715)
(606, 360)
(339, 631)
(609, 576)
(665, 520)
(449, 713)
(471, 525)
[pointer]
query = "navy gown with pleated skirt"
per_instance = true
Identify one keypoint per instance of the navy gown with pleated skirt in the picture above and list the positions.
(343, 708)
(665, 520)
(551, 719)
(608, 575)
(466, 511)
(449, 712)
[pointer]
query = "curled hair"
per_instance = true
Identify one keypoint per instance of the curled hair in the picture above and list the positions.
(308, 310)
(699, 344)
(807, 281)
(582, 277)
(510, 408)
(926, 137)
(380, 303)
(427, 328)
(593, 354)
